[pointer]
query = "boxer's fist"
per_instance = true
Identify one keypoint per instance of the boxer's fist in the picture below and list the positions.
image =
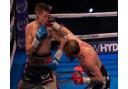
(54, 64)
(77, 77)
(50, 21)
(41, 33)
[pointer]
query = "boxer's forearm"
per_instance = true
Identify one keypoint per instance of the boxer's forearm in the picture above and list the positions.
(63, 31)
(56, 60)
(58, 54)
(60, 30)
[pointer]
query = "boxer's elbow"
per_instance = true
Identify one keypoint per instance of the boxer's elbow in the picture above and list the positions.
(62, 43)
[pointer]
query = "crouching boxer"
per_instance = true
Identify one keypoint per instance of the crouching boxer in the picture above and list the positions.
(39, 71)
(98, 77)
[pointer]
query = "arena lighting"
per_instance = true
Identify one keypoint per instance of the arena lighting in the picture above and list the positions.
(90, 10)
(79, 15)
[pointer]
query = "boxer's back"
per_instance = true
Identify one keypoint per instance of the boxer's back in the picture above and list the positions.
(88, 56)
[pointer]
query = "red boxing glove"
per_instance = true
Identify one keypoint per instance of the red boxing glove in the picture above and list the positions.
(49, 60)
(50, 21)
(77, 77)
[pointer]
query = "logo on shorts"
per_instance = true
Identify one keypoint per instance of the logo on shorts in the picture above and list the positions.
(45, 76)
(21, 6)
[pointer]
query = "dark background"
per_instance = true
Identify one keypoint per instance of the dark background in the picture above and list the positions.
(68, 6)
(88, 25)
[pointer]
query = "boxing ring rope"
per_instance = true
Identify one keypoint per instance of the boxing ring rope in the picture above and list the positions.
(11, 26)
(80, 15)
(13, 53)
(12, 23)
(11, 4)
(14, 43)
(98, 36)
(75, 15)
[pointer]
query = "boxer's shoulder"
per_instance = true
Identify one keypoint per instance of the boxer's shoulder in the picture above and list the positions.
(31, 25)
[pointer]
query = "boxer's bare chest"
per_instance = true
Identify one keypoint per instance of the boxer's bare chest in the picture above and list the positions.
(45, 44)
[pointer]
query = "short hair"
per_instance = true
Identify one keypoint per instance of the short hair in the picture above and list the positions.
(72, 46)
(39, 7)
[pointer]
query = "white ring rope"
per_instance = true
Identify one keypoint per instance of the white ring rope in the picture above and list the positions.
(13, 54)
(14, 45)
(12, 21)
(80, 15)
(98, 36)
(11, 4)
(11, 27)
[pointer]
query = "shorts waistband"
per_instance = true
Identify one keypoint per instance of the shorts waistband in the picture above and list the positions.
(39, 60)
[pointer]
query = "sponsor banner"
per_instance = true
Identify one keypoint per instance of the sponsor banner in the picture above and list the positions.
(21, 21)
(105, 46)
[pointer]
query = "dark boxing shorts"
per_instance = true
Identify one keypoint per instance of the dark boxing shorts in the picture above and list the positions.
(36, 70)
(101, 85)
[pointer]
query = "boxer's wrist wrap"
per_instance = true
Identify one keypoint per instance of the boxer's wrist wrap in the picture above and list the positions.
(53, 66)
(56, 61)
(58, 54)
(87, 80)
(56, 26)
(35, 43)
(40, 35)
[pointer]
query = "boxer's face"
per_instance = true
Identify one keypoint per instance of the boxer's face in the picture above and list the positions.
(43, 17)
